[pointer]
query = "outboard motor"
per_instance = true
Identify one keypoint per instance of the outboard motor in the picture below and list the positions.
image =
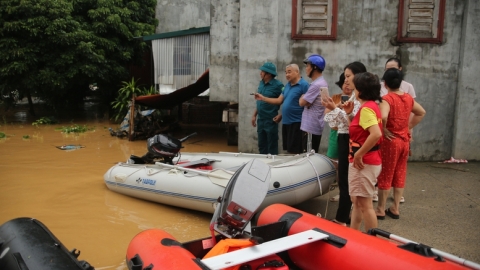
(243, 195)
(162, 147)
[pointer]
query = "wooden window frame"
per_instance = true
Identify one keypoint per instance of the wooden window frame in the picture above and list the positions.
(401, 26)
(333, 29)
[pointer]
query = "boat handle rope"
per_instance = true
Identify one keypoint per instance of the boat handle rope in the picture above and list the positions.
(151, 171)
(208, 173)
(125, 165)
(306, 158)
(147, 170)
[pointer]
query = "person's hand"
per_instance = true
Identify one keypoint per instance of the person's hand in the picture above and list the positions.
(348, 107)
(411, 135)
(259, 96)
(254, 121)
(357, 161)
(277, 118)
(388, 135)
(328, 103)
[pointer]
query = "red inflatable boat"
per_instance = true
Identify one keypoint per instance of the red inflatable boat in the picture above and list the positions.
(282, 238)
(344, 248)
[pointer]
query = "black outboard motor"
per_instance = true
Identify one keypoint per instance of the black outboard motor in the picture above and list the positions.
(163, 147)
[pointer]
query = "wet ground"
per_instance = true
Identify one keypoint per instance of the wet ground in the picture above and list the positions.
(65, 191)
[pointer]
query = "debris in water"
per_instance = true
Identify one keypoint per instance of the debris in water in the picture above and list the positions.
(70, 147)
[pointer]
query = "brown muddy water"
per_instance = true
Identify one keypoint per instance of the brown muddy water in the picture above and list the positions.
(65, 189)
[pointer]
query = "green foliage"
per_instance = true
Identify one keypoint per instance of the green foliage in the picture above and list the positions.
(26, 137)
(2, 135)
(44, 121)
(121, 105)
(75, 129)
(56, 48)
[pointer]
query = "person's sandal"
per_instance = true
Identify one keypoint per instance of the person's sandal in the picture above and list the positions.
(402, 199)
(339, 223)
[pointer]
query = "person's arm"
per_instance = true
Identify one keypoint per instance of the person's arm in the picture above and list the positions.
(372, 139)
(273, 101)
(302, 102)
(385, 110)
(329, 104)
(254, 118)
(419, 112)
(277, 118)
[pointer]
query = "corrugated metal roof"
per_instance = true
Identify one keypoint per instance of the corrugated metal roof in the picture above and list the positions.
(191, 31)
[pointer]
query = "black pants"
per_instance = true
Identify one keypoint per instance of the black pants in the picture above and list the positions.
(344, 202)
(315, 141)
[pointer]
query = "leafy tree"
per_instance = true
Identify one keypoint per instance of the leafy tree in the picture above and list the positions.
(58, 47)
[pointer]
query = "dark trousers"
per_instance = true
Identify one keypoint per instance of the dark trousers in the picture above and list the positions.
(315, 141)
(344, 202)
(267, 131)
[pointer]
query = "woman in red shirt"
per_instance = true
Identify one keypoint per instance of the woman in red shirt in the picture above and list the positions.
(365, 161)
(396, 109)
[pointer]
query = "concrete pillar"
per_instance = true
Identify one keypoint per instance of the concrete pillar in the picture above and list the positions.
(258, 39)
(225, 21)
(466, 139)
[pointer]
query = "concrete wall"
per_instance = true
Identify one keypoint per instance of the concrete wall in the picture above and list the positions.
(246, 33)
(466, 133)
(176, 15)
(366, 32)
(224, 49)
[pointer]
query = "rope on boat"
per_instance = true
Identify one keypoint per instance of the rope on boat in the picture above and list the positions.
(316, 173)
(124, 165)
(306, 158)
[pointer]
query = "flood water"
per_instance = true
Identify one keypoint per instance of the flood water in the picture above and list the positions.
(65, 189)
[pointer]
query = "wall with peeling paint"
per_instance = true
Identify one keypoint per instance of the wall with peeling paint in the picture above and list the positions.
(245, 34)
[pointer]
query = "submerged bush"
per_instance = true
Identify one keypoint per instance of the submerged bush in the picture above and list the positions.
(75, 129)
(45, 121)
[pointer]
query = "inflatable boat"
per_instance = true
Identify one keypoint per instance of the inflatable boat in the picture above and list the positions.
(281, 238)
(196, 180)
(26, 243)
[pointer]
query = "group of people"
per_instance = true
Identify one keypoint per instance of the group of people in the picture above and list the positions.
(302, 124)
(371, 125)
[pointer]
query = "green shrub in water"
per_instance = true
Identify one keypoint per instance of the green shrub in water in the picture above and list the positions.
(121, 105)
(44, 121)
(75, 129)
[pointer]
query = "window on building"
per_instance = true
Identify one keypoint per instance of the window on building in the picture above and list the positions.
(421, 21)
(314, 19)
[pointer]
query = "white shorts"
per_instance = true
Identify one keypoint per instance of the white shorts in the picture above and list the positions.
(362, 182)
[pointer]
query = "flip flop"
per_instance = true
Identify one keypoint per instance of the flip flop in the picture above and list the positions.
(380, 217)
(335, 198)
(390, 214)
(338, 222)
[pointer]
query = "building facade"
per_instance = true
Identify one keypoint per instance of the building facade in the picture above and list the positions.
(437, 41)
